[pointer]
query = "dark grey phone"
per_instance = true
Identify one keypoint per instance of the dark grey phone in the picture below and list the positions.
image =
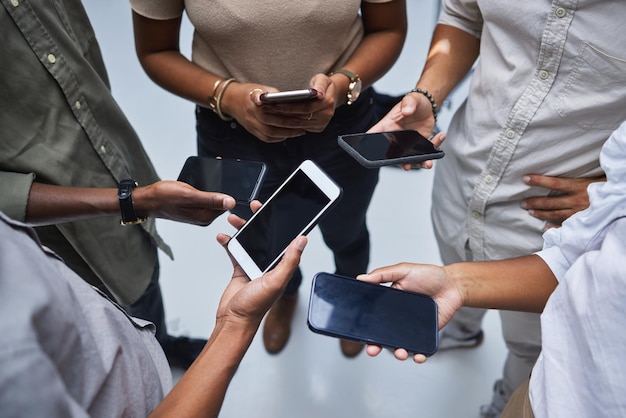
(238, 178)
(288, 96)
(378, 149)
(344, 307)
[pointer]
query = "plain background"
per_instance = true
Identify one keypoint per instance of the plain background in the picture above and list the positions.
(310, 378)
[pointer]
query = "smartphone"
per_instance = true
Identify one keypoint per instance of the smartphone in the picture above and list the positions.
(388, 148)
(263, 239)
(240, 179)
(348, 308)
(288, 96)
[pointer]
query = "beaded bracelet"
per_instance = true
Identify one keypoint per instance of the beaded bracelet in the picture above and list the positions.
(429, 96)
(218, 101)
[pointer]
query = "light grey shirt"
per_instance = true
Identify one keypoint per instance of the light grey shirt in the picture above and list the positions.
(60, 125)
(66, 350)
(547, 91)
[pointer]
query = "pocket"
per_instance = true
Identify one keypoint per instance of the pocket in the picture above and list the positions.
(594, 96)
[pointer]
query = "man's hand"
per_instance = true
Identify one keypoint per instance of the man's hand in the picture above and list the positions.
(571, 197)
(178, 201)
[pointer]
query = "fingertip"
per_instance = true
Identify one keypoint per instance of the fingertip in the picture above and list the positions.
(526, 179)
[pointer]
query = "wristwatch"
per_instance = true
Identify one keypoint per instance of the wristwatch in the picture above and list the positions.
(127, 208)
(354, 88)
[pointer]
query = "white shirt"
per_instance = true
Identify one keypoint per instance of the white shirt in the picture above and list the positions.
(547, 91)
(581, 371)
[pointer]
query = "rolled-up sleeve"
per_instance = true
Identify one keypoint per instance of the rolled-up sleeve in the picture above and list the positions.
(158, 9)
(464, 15)
(15, 189)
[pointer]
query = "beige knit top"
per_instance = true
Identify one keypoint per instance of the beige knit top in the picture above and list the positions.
(273, 42)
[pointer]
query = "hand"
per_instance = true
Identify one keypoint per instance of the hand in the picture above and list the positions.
(414, 111)
(247, 301)
(437, 140)
(419, 278)
(178, 201)
(571, 197)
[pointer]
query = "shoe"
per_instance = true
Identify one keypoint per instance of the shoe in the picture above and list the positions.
(489, 411)
(446, 342)
(350, 348)
(498, 402)
(277, 326)
(182, 351)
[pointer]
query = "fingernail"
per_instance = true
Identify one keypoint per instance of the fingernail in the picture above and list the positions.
(524, 204)
(526, 179)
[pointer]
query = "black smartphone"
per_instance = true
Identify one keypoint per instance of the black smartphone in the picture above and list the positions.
(308, 194)
(378, 149)
(348, 308)
(240, 179)
(288, 96)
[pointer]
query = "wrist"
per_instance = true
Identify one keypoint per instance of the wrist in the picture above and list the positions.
(434, 107)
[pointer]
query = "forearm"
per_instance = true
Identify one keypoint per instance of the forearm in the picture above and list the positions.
(451, 56)
(201, 390)
(520, 284)
(49, 204)
(157, 47)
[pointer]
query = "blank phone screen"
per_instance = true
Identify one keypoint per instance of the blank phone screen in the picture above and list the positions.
(237, 178)
(346, 307)
(282, 219)
(387, 145)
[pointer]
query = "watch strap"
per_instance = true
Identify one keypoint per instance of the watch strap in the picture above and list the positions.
(127, 207)
(354, 88)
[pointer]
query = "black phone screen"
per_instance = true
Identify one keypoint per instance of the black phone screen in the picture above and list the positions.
(388, 145)
(282, 219)
(238, 178)
(348, 308)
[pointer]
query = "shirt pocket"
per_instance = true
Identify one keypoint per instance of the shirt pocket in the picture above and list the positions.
(594, 96)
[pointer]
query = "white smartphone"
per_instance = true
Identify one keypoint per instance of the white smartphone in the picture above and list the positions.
(288, 96)
(255, 247)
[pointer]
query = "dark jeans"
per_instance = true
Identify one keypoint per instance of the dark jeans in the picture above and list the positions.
(344, 228)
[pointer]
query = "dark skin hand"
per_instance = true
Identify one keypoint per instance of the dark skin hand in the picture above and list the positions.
(571, 197)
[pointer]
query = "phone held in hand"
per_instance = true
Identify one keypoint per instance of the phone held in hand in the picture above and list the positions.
(256, 246)
(237, 178)
(348, 308)
(378, 149)
(288, 96)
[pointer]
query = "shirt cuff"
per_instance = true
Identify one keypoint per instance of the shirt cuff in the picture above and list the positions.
(15, 191)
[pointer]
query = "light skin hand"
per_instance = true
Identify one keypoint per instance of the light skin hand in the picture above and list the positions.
(571, 197)
(414, 111)
(419, 278)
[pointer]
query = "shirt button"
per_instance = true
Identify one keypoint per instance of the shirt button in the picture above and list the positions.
(488, 178)
(476, 215)
(233, 125)
(543, 74)
(52, 59)
(510, 133)
(15, 3)
(103, 149)
(560, 12)
(77, 105)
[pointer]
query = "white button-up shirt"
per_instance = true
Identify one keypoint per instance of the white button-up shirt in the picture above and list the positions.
(581, 371)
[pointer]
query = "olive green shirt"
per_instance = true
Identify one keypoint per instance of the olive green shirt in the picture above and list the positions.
(60, 125)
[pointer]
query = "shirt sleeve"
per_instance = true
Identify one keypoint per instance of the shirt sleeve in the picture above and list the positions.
(462, 14)
(158, 9)
(15, 190)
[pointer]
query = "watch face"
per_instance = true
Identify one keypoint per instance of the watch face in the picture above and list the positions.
(355, 88)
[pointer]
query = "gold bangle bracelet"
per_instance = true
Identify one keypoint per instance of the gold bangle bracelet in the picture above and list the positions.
(218, 102)
(212, 101)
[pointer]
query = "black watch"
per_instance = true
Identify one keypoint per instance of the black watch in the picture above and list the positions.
(127, 208)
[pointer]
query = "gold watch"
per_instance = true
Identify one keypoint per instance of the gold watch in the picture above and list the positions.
(354, 88)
